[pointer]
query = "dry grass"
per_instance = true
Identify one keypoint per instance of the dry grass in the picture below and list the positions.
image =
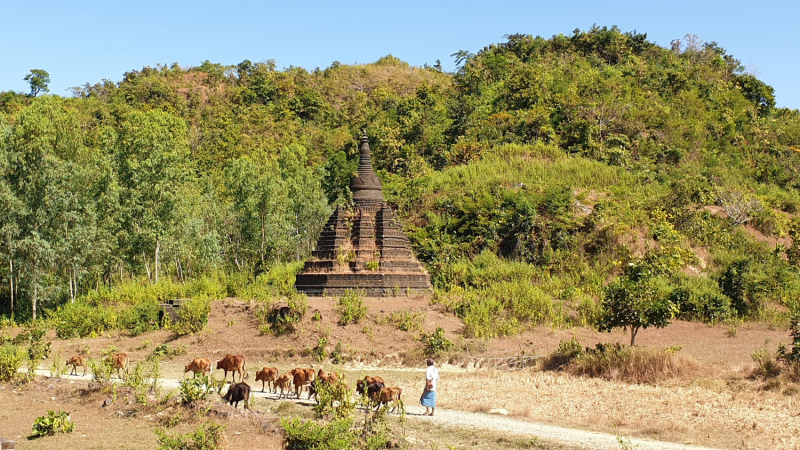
(648, 365)
(681, 411)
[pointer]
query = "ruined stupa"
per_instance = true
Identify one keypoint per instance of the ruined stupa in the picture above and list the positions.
(363, 247)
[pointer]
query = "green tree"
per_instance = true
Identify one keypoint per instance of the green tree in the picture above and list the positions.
(38, 79)
(636, 304)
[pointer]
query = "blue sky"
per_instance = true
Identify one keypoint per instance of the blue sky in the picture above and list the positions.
(85, 41)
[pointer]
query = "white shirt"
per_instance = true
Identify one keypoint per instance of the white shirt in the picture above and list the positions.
(432, 374)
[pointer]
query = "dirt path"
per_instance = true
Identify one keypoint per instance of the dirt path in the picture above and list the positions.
(447, 418)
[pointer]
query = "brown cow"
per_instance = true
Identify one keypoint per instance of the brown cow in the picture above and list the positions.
(233, 364)
(301, 377)
(389, 394)
(328, 377)
(75, 362)
(284, 381)
(120, 361)
(199, 365)
(268, 375)
(361, 385)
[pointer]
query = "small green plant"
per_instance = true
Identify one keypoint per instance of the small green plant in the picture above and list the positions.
(11, 358)
(567, 351)
(335, 435)
(368, 331)
(143, 379)
(145, 343)
(199, 388)
(334, 401)
(337, 356)
(406, 320)
(435, 343)
(164, 351)
(58, 367)
(350, 308)
(320, 352)
(192, 316)
(51, 424)
(207, 436)
(317, 316)
(767, 364)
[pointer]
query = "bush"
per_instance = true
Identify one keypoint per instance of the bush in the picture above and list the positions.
(307, 435)
(435, 343)
(81, 319)
(11, 358)
(406, 320)
(143, 378)
(631, 364)
(207, 436)
(140, 318)
(320, 352)
(192, 317)
(198, 388)
(699, 298)
(567, 351)
(334, 401)
(53, 423)
(282, 319)
(166, 352)
(767, 364)
(350, 308)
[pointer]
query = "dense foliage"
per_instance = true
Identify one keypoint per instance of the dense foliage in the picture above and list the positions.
(527, 180)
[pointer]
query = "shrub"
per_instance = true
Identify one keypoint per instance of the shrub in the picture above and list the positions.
(53, 423)
(102, 369)
(11, 357)
(307, 435)
(334, 401)
(167, 352)
(767, 364)
(207, 436)
(283, 319)
(192, 317)
(198, 388)
(699, 298)
(350, 308)
(631, 364)
(406, 320)
(567, 351)
(140, 318)
(435, 343)
(320, 352)
(81, 319)
(143, 378)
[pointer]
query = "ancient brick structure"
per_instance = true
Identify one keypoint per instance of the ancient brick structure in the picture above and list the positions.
(363, 248)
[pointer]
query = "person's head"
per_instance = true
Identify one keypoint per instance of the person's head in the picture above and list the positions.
(430, 361)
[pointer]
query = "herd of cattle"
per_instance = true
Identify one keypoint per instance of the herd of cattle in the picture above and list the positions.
(297, 378)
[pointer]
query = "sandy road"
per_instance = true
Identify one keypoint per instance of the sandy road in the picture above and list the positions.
(480, 421)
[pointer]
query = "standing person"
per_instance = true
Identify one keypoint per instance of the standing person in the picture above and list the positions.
(428, 397)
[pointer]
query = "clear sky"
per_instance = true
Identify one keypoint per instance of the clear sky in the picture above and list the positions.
(81, 42)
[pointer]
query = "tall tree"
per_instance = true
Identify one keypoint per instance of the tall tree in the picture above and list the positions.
(38, 79)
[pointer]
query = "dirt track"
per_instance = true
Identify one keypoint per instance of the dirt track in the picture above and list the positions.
(479, 421)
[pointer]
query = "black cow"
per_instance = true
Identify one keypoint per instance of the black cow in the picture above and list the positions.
(238, 392)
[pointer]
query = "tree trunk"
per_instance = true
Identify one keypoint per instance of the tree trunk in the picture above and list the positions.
(147, 268)
(158, 253)
(11, 283)
(35, 294)
(634, 331)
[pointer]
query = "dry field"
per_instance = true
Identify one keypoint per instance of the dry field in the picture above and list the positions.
(718, 406)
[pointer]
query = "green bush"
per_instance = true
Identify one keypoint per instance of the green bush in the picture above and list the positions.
(11, 357)
(207, 436)
(82, 319)
(435, 343)
(567, 351)
(308, 435)
(192, 316)
(53, 423)
(350, 308)
(143, 379)
(699, 298)
(320, 351)
(199, 388)
(335, 401)
(406, 320)
(164, 351)
(282, 319)
(140, 318)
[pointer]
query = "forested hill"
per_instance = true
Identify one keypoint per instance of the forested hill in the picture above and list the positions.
(569, 161)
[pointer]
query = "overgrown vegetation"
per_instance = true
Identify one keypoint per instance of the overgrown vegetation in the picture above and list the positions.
(208, 435)
(350, 308)
(53, 423)
(543, 175)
